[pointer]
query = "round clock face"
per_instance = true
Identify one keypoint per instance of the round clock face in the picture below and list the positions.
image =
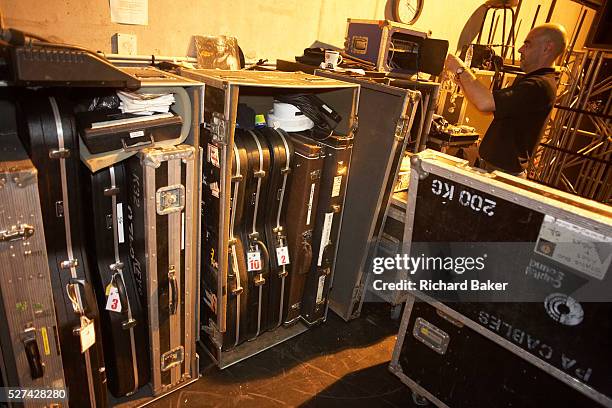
(407, 11)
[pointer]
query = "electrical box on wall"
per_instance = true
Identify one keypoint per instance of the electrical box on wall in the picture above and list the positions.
(124, 44)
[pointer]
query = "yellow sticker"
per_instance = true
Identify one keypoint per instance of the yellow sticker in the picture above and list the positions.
(108, 289)
(45, 338)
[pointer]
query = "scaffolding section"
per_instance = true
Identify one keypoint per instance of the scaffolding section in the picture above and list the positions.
(575, 153)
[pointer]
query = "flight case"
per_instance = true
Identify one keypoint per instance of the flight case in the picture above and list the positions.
(223, 91)
(553, 250)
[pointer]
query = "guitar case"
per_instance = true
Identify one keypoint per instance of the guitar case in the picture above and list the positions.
(47, 130)
(302, 201)
(281, 151)
(252, 232)
(237, 274)
(124, 327)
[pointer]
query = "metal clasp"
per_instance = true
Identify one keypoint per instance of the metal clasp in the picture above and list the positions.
(17, 232)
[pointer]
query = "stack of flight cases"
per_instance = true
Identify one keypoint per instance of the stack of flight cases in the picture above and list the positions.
(272, 206)
(142, 192)
(544, 338)
(122, 229)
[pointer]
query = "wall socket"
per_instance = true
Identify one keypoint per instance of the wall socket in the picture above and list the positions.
(124, 44)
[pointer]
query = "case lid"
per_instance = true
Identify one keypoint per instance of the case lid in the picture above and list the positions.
(405, 28)
(151, 76)
(270, 79)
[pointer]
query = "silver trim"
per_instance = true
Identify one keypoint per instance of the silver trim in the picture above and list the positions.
(233, 247)
(174, 260)
(254, 226)
(148, 197)
(278, 226)
(119, 269)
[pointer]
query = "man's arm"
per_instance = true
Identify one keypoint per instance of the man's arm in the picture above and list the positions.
(474, 90)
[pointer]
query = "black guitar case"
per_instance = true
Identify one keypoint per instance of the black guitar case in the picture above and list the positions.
(253, 235)
(281, 151)
(125, 338)
(302, 202)
(47, 129)
(237, 269)
(338, 150)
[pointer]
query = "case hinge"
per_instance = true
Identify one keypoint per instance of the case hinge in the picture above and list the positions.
(402, 127)
(218, 127)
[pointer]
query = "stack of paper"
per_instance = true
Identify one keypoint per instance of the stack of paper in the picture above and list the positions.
(144, 104)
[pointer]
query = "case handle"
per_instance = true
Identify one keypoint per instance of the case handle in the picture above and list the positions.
(90, 299)
(117, 281)
(137, 146)
(306, 251)
(265, 261)
(33, 356)
(172, 304)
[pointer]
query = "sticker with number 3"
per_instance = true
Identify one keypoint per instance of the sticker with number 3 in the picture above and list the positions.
(282, 255)
(113, 302)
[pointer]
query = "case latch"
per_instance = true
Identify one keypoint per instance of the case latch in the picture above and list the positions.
(402, 128)
(218, 128)
(17, 232)
(430, 335)
(170, 199)
(172, 358)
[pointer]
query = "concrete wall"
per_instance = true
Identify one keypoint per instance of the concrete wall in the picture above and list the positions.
(265, 28)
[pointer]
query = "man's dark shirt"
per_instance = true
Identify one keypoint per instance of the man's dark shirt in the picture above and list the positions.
(521, 112)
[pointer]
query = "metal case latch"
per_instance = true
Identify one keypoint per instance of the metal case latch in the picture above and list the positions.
(430, 335)
(170, 199)
(172, 358)
(17, 232)
(218, 127)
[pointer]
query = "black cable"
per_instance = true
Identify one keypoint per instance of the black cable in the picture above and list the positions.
(316, 110)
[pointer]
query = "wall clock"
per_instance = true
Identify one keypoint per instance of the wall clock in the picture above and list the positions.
(407, 11)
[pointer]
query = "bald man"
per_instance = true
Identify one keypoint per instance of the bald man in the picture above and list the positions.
(520, 111)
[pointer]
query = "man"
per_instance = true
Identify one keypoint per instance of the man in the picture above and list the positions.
(520, 111)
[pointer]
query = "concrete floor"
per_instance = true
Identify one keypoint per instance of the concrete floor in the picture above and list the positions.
(337, 364)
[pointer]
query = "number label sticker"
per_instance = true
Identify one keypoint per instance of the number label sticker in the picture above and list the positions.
(282, 255)
(112, 302)
(254, 261)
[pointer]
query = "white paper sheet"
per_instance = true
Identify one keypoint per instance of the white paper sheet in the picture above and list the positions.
(130, 11)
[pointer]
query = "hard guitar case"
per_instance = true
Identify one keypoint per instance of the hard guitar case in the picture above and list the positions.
(302, 201)
(237, 274)
(252, 232)
(124, 326)
(29, 356)
(338, 151)
(48, 132)
(281, 151)
(161, 220)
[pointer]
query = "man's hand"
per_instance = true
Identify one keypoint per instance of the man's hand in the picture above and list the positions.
(453, 62)
(474, 91)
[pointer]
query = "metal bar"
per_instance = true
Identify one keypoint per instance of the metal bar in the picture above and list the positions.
(553, 3)
(583, 111)
(535, 17)
(570, 152)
